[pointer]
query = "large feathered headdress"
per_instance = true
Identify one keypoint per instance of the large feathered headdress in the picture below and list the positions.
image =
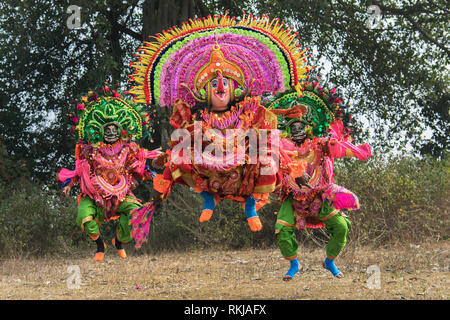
(98, 109)
(257, 54)
(317, 107)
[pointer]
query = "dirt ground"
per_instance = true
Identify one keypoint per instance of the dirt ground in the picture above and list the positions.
(412, 272)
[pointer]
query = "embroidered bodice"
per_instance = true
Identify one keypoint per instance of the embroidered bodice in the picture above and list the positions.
(108, 173)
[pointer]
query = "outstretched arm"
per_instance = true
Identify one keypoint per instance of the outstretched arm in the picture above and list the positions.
(137, 160)
(67, 177)
(341, 145)
(81, 174)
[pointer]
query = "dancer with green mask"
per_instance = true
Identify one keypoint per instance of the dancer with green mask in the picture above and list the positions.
(310, 198)
(108, 166)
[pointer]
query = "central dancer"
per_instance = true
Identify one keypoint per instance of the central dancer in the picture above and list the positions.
(213, 72)
(224, 129)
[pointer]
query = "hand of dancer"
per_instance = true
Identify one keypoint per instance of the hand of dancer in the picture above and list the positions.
(303, 180)
(156, 198)
(66, 191)
(326, 147)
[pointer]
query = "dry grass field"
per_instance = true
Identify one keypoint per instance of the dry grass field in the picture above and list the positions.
(407, 272)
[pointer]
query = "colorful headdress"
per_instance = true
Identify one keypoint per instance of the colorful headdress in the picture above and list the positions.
(259, 55)
(218, 64)
(97, 110)
(317, 107)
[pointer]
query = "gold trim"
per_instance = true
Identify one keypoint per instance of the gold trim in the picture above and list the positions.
(90, 218)
(176, 174)
(332, 214)
(349, 153)
(187, 178)
(286, 224)
(264, 188)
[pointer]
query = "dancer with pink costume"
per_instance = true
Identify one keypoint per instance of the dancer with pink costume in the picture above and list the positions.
(316, 136)
(108, 166)
(212, 72)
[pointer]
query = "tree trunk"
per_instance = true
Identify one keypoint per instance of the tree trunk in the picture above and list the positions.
(159, 15)
(114, 39)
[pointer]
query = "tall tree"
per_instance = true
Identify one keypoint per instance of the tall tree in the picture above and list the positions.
(390, 60)
(46, 65)
(396, 77)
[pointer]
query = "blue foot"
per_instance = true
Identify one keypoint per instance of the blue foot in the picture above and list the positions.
(250, 210)
(209, 204)
(292, 270)
(330, 266)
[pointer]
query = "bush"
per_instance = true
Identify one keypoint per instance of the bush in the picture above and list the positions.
(402, 200)
(36, 221)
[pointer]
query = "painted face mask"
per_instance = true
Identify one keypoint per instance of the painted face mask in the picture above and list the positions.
(298, 134)
(257, 55)
(111, 134)
(220, 94)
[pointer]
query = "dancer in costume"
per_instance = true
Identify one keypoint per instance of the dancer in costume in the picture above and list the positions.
(311, 199)
(108, 165)
(212, 72)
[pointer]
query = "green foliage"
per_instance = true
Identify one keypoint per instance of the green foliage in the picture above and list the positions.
(176, 225)
(34, 221)
(402, 199)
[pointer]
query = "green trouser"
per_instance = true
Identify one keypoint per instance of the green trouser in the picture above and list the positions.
(284, 230)
(91, 216)
(337, 227)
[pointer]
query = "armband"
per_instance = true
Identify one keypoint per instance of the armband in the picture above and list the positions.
(65, 183)
(152, 173)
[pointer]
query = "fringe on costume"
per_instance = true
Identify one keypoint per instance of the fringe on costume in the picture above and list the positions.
(140, 223)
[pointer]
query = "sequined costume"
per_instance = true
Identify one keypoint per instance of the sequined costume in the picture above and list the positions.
(317, 202)
(191, 69)
(108, 172)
